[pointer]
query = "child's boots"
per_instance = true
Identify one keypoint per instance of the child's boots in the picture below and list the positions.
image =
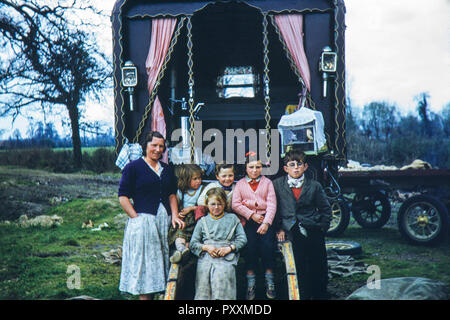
(180, 252)
(251, 286)
(270, 286)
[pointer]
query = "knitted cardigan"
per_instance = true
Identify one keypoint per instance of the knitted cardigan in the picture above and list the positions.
(246, 202)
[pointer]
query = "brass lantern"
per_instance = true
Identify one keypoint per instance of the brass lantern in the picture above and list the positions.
(327, 65)
(129, 80)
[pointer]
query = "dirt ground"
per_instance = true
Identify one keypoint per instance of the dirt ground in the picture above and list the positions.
(33, 191)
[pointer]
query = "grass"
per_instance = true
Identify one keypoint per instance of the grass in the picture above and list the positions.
(34, 261)
(396, 258)
(88, 150)
(18, 170)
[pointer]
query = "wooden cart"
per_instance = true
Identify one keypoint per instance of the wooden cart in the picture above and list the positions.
(422, 218)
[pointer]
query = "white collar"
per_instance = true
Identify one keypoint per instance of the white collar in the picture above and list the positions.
(257, 179)
(295, 183)
(298, 179)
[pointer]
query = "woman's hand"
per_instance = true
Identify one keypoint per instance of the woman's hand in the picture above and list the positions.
(258, 218)
(222, 252)
(213, 251)
(263, 228)
(128, 207)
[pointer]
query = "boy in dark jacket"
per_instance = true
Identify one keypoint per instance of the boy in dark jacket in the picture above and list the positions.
(303, 217)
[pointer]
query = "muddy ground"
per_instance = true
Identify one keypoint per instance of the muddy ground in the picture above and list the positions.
(31, 192)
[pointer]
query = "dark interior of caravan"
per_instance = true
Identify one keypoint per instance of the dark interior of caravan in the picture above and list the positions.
(230, 37)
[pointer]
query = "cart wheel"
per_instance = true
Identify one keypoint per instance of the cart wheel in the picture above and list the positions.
(423, 219)
(371, 210)
(344, 247)
(340, 217)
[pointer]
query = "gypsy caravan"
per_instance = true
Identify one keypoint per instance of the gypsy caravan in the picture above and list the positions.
(222, 78)
(216, 77)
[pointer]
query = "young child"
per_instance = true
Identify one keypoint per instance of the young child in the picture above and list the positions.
(217, 239)
(189, 190)
(225, 180)
(255, 201)
(303, 217)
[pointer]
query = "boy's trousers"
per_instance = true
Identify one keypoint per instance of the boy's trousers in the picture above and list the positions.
(311, 263)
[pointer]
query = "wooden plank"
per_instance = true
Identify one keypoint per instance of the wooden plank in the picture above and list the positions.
(288, 255)
(396, 179)
(396, 173)
(172, 282)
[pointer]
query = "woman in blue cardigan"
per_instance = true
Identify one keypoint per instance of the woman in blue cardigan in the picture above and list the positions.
(151, 184)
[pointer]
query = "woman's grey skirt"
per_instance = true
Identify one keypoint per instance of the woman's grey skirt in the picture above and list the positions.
(145, 253)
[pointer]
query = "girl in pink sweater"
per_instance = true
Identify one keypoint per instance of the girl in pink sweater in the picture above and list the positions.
(254, 200)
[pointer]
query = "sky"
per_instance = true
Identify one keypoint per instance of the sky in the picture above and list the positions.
(395, 50)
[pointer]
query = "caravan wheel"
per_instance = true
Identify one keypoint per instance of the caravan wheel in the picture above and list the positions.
(371, 210)
(340, 217)
(424, 220)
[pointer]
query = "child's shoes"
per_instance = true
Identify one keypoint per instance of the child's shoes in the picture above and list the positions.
(270, 291)
(251, 292)
(270, 286)
(251, 287)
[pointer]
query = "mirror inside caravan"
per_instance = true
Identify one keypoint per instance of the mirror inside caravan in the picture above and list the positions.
(237, 82)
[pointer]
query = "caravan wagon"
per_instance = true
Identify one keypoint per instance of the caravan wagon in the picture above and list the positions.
(202, 69)
(223, 78)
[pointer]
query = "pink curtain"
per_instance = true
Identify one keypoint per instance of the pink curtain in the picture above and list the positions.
(162, 31)
(291, 28)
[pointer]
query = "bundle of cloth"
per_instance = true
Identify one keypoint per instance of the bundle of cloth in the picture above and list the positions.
(356, 166)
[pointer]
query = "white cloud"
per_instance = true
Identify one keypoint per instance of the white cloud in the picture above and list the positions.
(397, 49)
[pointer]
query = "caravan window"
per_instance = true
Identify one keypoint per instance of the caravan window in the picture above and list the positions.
(237, 82)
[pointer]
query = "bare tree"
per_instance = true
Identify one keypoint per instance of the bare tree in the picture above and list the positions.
(50, 61)
(380, 119)
(446, 119)
(424, 112)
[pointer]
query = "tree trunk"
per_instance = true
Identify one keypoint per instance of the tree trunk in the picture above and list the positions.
(76, 141)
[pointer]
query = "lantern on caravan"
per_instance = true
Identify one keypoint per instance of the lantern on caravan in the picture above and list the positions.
(327, 65)
(129, 80)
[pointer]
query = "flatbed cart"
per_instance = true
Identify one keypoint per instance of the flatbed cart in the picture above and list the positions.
(422, 218)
